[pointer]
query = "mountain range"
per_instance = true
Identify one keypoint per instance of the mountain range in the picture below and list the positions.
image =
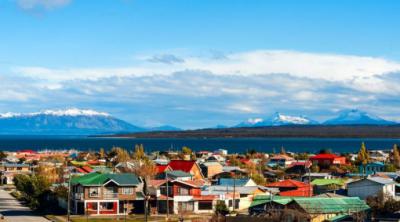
(89, 122)
(345, 117)
(68, 122)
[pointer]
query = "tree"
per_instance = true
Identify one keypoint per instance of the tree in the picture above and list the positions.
(186, 150)
(283, 151)
(314, 168)
(139, 153)
(258, 179)
(396, 156)
(221, 208)
(363, 156)
(2, 155)
(102, 153)
(119, 155)
(390, 168)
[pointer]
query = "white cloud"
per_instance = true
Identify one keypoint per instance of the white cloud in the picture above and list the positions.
(330, 67)
(42, 4)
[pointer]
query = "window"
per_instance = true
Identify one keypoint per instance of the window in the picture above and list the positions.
(183, 191)
(94, 191)
(106, 206)
(205, 205)
(127, 190)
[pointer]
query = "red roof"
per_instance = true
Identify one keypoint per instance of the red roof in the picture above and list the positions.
(184, 165)
(87, 169)
(288, 183)
(161, 168)
(324, 156)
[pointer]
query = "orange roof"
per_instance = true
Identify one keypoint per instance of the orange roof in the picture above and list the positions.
(288, 183)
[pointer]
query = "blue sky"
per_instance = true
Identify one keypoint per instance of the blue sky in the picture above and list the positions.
(200, 63)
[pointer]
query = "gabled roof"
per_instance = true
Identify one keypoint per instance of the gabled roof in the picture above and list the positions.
(184, 165)
(378, 180)
(162, 168)
(288, 184)
(99, 179)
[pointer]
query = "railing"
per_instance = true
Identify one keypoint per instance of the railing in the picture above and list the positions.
(110, 195)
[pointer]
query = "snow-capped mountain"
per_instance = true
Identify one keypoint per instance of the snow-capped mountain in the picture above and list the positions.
(278, 119)
(357, 117)
(63, 122)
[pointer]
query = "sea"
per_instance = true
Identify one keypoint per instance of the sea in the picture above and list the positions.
(233, 145)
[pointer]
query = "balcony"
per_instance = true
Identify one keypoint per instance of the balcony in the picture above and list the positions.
(110, 195)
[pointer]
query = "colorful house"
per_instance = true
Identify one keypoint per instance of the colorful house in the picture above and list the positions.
(183, 197)
(106, 194)
(327, 159)
(280, 160)
(9, 170)
(292, 188)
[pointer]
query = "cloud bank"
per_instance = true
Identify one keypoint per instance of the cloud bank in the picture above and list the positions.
(202, 91)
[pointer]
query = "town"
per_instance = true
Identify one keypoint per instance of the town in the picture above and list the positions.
(187, 185)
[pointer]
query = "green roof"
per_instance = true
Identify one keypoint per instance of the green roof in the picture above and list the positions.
(324, 182)
(262, 199)
(98, 179)
(331, 205)
(316, 205)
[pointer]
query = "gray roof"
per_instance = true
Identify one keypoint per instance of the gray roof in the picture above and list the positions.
(15, 165)
(381, 180)
(178, 173)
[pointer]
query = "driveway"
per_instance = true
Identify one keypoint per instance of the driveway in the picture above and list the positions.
(13, 211)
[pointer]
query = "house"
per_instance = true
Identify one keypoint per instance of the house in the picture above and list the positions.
(210, 168)
(292, 188)
(298, 167)
(371, 168)
(182, 196)
(229, 171)
(371, 186)
(280, 160)
(325, 160)
(106, 194)
(9, 170)
(315, 209)
(188, 166)
(378, 155)
(246, 188)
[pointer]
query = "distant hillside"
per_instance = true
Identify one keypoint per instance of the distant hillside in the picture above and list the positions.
(317, 131)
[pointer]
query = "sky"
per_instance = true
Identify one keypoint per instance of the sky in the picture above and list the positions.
(200, 63)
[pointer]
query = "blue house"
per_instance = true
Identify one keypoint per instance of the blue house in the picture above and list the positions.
(372, 168)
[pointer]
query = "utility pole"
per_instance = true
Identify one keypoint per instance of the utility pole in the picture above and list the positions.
(234, 193)
(166, 177)
(69, 196)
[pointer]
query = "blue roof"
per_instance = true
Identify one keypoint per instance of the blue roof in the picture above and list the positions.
(229, 182)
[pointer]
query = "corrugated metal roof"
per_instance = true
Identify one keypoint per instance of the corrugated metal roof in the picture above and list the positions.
(324, 182)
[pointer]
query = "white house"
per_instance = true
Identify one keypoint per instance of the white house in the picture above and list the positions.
(371, 186)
